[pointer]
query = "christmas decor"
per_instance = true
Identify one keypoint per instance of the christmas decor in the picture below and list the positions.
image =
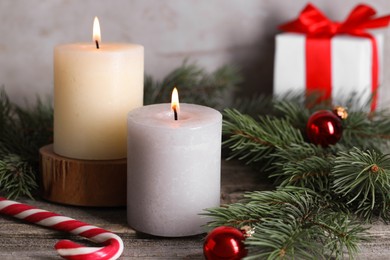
(113, 245)
(325, 192)
(24, 130)
(224, 243)
(292, 223)
(324, 128)
(325, 56)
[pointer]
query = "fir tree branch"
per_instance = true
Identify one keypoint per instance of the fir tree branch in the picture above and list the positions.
(195, 85)
(292, 223)
(303, 165)
(252, 140)
(346, 177)
(359, 131)
(293, 111)
(254, 105)
(22, 132)
(17, 177)
(363, 179)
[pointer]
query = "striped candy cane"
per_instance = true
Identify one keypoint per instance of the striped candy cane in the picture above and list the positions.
(113, 244)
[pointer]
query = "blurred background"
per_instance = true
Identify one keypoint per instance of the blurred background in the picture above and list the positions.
(210, 33)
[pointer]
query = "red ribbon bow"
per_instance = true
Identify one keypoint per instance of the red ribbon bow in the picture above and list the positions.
(319, 30)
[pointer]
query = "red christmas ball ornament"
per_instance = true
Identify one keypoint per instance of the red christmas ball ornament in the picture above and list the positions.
(324, 128)
(225, 243)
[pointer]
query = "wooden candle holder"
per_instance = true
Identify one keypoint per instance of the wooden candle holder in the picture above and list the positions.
(100, 183)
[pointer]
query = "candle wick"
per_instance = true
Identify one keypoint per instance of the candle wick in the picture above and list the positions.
(97, 44)
(175, 113)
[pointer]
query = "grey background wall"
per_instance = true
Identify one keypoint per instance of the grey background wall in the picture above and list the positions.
(208, 32)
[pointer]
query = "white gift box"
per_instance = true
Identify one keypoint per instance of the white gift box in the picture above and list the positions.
(351, 64)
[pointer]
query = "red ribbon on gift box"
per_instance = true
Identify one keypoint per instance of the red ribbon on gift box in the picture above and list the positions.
(319, 30)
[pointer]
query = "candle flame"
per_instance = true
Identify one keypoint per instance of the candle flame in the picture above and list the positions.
(96, 37)
(175, 103)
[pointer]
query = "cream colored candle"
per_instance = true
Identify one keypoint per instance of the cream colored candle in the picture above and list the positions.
(94, 89)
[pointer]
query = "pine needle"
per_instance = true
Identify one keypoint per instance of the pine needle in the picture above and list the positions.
(195, 85)
(22, 132)
(325, 195)
(292, 223)
(363, 179)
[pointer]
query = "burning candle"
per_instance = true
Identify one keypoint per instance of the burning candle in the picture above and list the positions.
(173, 167)
(95, 86)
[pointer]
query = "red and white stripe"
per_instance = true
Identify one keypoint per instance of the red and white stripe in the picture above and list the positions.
(112, 244)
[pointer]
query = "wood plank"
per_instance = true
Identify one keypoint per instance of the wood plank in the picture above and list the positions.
(19, 240)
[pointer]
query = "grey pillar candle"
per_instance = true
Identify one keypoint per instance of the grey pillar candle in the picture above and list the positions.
(173, 169)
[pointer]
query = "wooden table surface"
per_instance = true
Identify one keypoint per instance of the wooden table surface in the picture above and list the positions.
(19, 240)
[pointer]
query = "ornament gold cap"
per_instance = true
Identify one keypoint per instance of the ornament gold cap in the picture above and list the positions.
(341, 112)
(247, 231)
